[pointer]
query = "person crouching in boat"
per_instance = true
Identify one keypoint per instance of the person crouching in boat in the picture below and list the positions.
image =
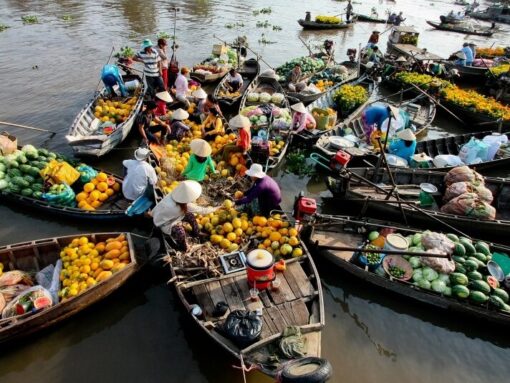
(199, 162)
(302, 119)
(243, 144)
(265, 191)
(178, 129)
(373, 115)
(404, 146)
(110, 75)
(139, 175)
(177, 208)
(233, 81)
(148, 131)
(200, 100)
(162, 99)
(212, 125)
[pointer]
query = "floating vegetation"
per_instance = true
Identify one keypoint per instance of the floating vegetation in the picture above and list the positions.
(67, 18)
(277, 28)
(264, 11)
(125, 52)
(3, 27)
(234, 25)
(29, 19)
(163, 35)
(264, 40)
(263, 24)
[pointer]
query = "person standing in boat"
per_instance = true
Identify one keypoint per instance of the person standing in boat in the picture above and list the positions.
(399, 19)
(348, 11)
(177, 208)
(265, 191)
(181, 87)
(302, 119)
(110, 75)
(308, 16)
(234, 81)
(148, 131)
(392, 18)
(373, 39)
(152, 67)
(404, 146)
(139, 175)
(468, 53)
(373, 116)
(161, 49)
(243, 143)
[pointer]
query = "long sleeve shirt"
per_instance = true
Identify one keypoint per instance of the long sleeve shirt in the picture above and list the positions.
(196, 170)
(110, 75)
(139, 175)
(168, 212)
(267, 192)
(244, 139)
(181, 85)
(469, 55)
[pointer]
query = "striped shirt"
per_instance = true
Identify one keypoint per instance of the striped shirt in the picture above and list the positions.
(150, 61)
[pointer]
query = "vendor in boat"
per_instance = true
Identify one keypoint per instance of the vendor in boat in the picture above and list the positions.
(177, 208)
(373, 39)
(139, 175)
(110, 75)
(348, 11)
(399, 19)
(199, 162)
(200, 100)
(265, 190)
(294, 77)
(374, 55)
(461, 58)
(302, 119)
(212, 125)
(161, 49)
(404, 146)
(391, 18)
(374, 116)
(148, 131)
(308, 16)
(243, 144)
(469, 54)
(162, 99)
(233, 81)
(178, 129)
(152, 67)
(472, 46)
(181, 87)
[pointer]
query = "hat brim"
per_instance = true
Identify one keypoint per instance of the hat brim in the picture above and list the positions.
(255, 174)
(239, 122)
(200, 148)
(395, 112)
(300, 107)
(165, 96)
(141, 156)
(406, 135)
(199, 93)
(180, 114)
(186, 192)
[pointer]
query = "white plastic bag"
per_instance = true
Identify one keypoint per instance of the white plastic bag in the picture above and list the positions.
(447, 160)
(474, 152)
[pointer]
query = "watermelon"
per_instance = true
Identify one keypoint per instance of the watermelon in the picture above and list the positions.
(474, 259)
(13, 189)
(474, 276)
(471, 265)
(480, 286)
(452, 237)
(37, 194)
(14, 173)
(34, 171)
(459, 259)
(458, 279)
(493, 282)
(29, 179)
(496, 301)
(12, 164)
(470, 249)
(478, 296)
(459, 268)
(460, 291)
(43, 152)
(25, 168)
(27, 192)
(481, 257)
(459, 249)
(2, 167)
(502, 294)
(483, 247)
(42, 302)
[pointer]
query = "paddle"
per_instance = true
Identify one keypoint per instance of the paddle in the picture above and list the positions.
(28, 127)
(392, 252)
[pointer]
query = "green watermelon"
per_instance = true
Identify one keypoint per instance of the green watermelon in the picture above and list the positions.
(480, 286)
(471, 265)
(460, 250)
(483, 247)
(452, 237)
(481, 257)
(478, 296)
(474, 276)
(470, 249)
(496, 301)
(25, 168)
(27, 192)
(460, 291)
(14, 173)
(459, 259)
(502, 294)
(459, 268)
(458, 279)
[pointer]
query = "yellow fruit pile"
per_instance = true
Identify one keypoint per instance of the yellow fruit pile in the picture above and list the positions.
(322, 85)
(226, 94)
(97, 191)
(328, 19)
(114, 111)
(85, 263)
(275, 148)
(277, 236)
(474, 101)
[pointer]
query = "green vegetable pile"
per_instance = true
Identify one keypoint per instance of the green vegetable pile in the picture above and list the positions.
(3, 27)
(163, 35)
(125, 52)
(396, 272)
(309, 65)
(295, 163)
(373, 258)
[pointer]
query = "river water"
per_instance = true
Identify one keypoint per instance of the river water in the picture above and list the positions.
(49, 70)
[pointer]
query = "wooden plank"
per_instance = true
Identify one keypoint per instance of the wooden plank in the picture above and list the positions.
(277, 318)
(264, 297)
(296, 272)
(287, 306)
(232, 295)
(287, 315)
(204, 300)
(216, 293)
(284, 292)
(266, 330)
(268, 323)
(326, 238)
(242, 287)
(301, 313)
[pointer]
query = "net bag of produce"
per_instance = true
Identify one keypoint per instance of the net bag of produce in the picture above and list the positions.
(29, 301)
(243, 327)
(462, 174)
(437, 241)
(458, 188)
(470, 205)
(87, 173)
(293, 344)
(441, 265)
(61, 195)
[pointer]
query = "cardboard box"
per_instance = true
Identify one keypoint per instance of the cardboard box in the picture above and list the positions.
(8, 144)
(219, 49)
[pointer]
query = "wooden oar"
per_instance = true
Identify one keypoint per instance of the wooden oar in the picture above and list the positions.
(28, 127)
(392, 252)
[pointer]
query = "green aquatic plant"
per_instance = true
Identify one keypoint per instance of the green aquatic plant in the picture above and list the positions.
(29, 19)
(263, 24)
(67, 18)
(3, 27)
(163, 35)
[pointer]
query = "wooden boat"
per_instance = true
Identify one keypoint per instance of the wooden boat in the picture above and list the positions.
(310, 137)
(448, 19)
(113, 208)
(459, 29)
(421, 113)
(370, 19)
(298, 302)
(347, 231)
(496, 12)
(307, 98)
(271, 86)
(83, 135)
(477, 119)
(209, 78)
(33, 256)
(316, 26)
(468, 73)
(408, 181)
(403, 41)
(249, 70)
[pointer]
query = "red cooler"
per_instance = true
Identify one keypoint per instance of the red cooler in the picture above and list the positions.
(260, 269)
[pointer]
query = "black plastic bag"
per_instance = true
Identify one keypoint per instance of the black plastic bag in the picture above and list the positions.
(243, 327)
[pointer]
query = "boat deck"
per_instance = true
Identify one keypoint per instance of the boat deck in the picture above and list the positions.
(413, 51)
(281, 308)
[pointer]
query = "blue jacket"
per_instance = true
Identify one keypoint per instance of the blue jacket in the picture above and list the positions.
(469, 55)
(375, 114)
(110, 75)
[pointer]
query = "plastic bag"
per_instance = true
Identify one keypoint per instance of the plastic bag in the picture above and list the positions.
(437, 241)
(61, 195)
(463, 174)
(293, 344)
(458, 188)
(441, 265)
(49, 279)
(447, 160)
(26, 302)
(87, 173)
(243, 327)
(475, 151)
(495, 140)
(470, 205)
(60, 172)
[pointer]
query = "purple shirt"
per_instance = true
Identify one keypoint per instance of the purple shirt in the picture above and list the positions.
(267, 191)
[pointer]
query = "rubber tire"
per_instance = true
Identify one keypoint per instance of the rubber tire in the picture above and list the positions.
(321, 374)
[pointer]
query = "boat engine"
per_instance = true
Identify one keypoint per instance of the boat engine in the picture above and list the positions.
(304, 207)
(351, 53)
(340, 160)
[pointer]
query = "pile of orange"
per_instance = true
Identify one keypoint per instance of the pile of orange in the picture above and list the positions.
(97, 191)
(277, 236)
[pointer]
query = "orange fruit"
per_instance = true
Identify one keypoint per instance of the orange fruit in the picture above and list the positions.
(102, 177)
(116, 187)
(81, 196)
(109, 192)
(96, 204)
(231, 236)
(102, 186)
(95, 195)
(103, 197)
(88, 187)
(275, 236)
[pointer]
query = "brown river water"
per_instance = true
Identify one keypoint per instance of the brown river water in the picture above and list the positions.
(141, 334)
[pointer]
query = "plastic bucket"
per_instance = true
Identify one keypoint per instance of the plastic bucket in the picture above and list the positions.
(396, 242)
(132, 85)
(260, 269)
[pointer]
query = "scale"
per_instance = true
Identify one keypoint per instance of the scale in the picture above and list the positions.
(233, 262)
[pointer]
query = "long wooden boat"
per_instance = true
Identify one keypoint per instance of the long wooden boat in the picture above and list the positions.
(209, 77)
(83, 135)
(348, 187)
(298, 302)
(314, 25)
(468, 73)
(114, 208)
(310, 137)
(307, 98)
(496, 12)
(33, 256)
(459, 29)
(329, 231)
(249, 70)
(421, 112)
(370, 19)
(478, 120)
(271, 86)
